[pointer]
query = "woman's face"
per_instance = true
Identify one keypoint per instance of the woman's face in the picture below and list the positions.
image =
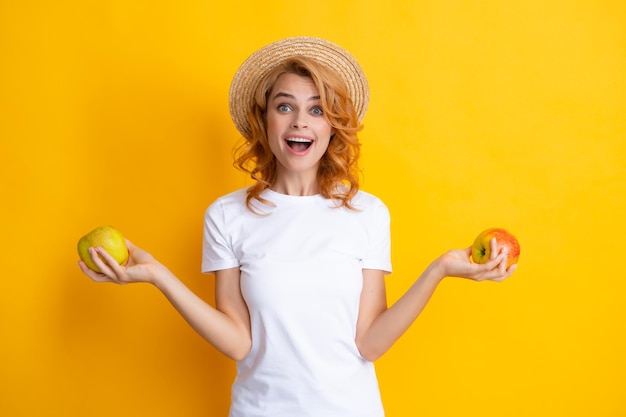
(297, 130)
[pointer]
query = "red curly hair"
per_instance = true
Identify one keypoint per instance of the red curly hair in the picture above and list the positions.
(339, 164)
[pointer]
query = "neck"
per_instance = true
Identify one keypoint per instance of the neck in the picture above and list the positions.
(297, 185)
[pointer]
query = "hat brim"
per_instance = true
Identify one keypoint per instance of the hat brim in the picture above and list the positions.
(264, 60)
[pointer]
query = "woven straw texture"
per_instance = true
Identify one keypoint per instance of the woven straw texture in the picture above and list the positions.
(261, 62)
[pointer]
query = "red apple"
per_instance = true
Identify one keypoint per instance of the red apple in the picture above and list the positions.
(481, 249)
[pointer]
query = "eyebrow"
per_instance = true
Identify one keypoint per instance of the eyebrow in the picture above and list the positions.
(291, 96)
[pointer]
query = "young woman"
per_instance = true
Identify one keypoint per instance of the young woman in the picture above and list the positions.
(299, 257)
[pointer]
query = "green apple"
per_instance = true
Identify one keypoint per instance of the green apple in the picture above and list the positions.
(106, 237)
(481, 249)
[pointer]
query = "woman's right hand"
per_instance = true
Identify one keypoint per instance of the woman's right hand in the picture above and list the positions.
(141, 266)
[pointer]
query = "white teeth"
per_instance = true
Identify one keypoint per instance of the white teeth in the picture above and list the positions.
(301, 140)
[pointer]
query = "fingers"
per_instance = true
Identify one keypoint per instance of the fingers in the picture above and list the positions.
(497, 260)
(506, 274)
(495, 269)
(493, 246)
(504, 260)
(502, 271)
(96, 276)
(102, 260)
(110, 270)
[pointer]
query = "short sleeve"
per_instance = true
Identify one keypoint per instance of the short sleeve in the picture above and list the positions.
(379, 239)
(217, 253)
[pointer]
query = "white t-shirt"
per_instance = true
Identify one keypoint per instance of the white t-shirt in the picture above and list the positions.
(301, 277)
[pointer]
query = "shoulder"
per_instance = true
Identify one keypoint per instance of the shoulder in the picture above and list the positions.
(364, 201)
(237, 196)
(229, 203)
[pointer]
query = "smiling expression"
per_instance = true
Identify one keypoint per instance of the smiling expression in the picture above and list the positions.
(297, 130)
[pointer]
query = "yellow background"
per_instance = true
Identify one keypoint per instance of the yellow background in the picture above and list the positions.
(483, 113)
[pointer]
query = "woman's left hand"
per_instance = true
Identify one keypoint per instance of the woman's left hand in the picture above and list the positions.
(457, 263)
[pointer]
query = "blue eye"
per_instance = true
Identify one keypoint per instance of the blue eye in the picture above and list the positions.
(317, 111)
(283, 108)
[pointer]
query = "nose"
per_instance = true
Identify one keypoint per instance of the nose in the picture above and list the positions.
(299, 120)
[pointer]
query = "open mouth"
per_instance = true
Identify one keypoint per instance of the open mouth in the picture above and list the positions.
(299, 144)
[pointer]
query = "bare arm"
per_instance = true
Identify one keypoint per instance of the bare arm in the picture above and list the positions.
(226, 327)
(379, 327)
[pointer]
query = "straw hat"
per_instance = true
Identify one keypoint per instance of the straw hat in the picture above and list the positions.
(261, 62)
